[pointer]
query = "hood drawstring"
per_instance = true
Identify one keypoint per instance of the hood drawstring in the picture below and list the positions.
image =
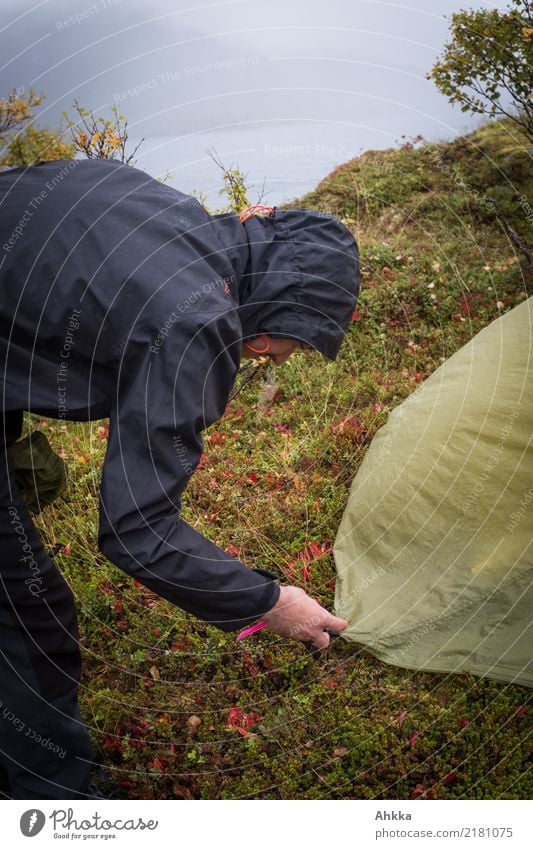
(253, 210)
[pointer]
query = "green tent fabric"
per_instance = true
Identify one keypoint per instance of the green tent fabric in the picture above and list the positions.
(39, 473)
(434, 553)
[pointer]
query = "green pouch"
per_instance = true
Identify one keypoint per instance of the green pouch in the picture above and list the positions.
(40, 475)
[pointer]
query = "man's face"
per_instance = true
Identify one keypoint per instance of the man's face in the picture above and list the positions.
(279, 350)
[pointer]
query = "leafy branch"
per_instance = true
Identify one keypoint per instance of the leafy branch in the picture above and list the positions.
(101, 138)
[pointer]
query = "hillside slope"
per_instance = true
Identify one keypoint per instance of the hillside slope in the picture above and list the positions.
(180, 710)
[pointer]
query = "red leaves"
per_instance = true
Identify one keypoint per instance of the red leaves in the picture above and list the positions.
(103, 431)
(179, 645)
(470, 301)
(250, 664)
(241, 721)
(314, 551)
(520, 711)
(311, 553)
(356, 315)
(235, 715)
(216, 438)
(419, 792)
(233, 550)
(67, 549)
(243, 732)
(450, 779)
(268, 480)
(272, 481)
(112, 743)
(348, 424)
(156, 764)
(229, 412)
(400, 719)
(291, 571)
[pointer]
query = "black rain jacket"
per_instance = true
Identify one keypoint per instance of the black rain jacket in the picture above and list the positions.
(122, 297)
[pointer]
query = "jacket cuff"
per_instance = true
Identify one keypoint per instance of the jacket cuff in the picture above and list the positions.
(268, 598)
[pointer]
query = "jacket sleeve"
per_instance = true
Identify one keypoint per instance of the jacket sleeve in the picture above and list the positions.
(165, 397)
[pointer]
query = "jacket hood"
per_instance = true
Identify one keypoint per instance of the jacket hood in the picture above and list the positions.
(298, 276)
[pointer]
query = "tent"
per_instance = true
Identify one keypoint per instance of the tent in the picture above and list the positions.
(434, 553)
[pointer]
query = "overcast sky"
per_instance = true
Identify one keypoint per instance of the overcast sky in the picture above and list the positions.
(176, 66)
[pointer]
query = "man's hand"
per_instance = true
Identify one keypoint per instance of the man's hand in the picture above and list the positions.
(299, 616)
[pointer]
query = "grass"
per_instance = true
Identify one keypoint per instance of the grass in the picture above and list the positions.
(178, 709)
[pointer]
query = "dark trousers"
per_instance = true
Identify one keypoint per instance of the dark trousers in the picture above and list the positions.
(45, 750)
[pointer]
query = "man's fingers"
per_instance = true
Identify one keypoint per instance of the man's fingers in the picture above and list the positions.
(336, 624)
(321, 640)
